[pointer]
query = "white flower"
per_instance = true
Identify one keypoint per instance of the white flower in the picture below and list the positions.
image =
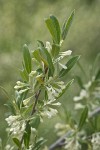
(62, 55)
(54, 92)
(61, 42)
(16, 125)
(72, 144)
(51, 93)
(56, 104)
(96, 141)
(77, 98)
(66, 53)
(79, 106)
(19, 85)
(11, 119)
(58, 59)
(48, 46)
(33, 130)
(30, 147)
(61, 129)
(8, 147)
(88, 85)
(63, 66)
(33, 73)
(49, 112)
(61, 84)
(83, 94)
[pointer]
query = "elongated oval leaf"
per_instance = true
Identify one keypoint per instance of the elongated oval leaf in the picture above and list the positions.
(35, 122)
(54, 28)
(11, 107)
(27, 135)
(69, 65)
(39, 143)
(50, 63)
(97, 75)
(79, 81)
(24, 74)
(48, 58)
(67, 25)
(17, 142)
(27, 59)
(83, 118)
(36, 55)
(67, 86)
(57, 26)
(55, 50)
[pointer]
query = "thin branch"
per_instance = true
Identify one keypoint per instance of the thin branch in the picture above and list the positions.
(33, 111)
(36, 100)
(94, 113)
(34, 106)
(60, 142)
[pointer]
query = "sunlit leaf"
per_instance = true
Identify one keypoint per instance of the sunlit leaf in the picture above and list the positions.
(27, 135)
(66, 87)
(83, 118)
(27, 59)
(55, 50)
(67, 25)
(54, 28)
(69, 65)
(17, 142)
(48, 57)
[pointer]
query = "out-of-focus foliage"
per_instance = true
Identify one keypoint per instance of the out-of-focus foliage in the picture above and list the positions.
(21, 22)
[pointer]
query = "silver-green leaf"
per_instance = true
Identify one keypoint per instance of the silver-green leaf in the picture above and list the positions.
(69, 65)
(67, 25)
(27, 59)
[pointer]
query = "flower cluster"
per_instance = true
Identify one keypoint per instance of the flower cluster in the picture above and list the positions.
(95, 141)
(16, 125)
(89, 95)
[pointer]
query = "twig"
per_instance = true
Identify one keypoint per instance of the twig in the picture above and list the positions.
(33, 111)
(36, 100)
(60, 142)
(34, 106)
(94, 113)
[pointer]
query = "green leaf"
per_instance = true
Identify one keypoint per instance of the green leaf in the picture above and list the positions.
(96, 65)
(97, 75)
(24, 75)
(69, 65)
(35, 122)
(79, 81)
(39, 143)
(50, 63)
(83, 118)
(57, 26)
(48, 57)
(5, 92)
(67, 25)
(54, 28)
(37, 55)
(55, 50)
(67, 86)
(27, 135)
(11, 107)
(17, 142)
(20, 97)
(27, 59)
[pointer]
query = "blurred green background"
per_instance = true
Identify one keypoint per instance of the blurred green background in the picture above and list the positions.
(22, 21)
